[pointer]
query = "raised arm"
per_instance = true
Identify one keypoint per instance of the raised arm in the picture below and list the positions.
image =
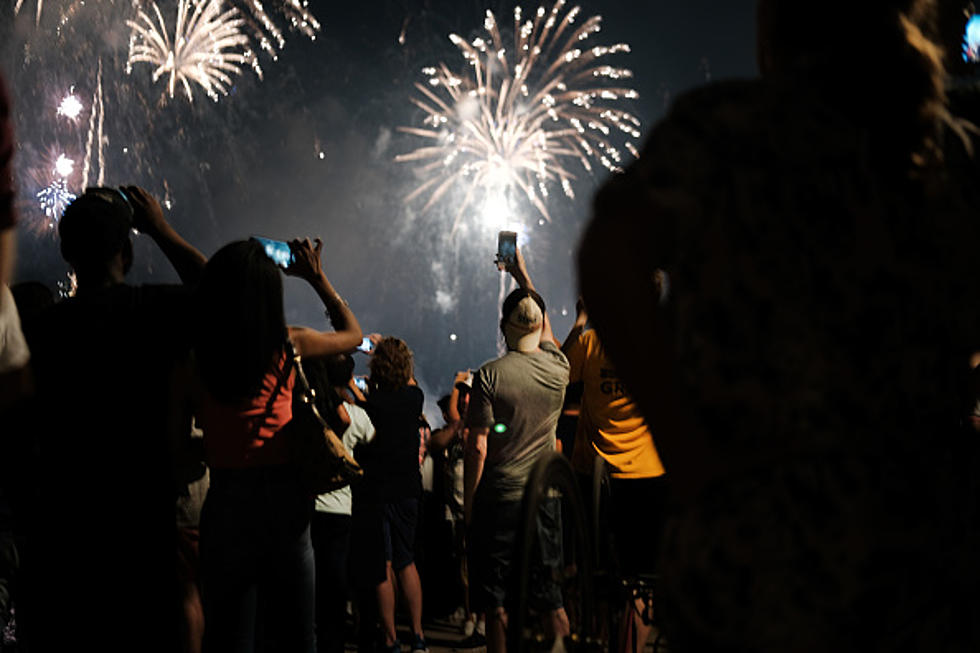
(519, 271)
(310, 342)
(442, 437)
(148, 219)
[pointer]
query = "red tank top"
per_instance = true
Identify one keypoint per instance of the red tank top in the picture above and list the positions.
(245, 434)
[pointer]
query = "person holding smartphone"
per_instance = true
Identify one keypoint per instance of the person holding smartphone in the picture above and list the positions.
(256, 552)
(519, 398)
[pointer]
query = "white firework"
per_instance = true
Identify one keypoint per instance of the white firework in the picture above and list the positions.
(207, 48)
(524, 113)
(70, 107)
(54, 198)
(37, 16)
(267, 32)
(63, 166)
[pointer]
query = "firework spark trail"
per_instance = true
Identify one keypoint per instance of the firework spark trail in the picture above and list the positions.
(102, 139)
(208, 47)
(524, 112)
(95, 123)
(265, 30)
(37, 17)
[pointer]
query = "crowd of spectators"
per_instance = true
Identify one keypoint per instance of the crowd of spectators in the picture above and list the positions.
(775, 358)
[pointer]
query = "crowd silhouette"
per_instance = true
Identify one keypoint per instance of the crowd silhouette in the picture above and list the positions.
(776, 353)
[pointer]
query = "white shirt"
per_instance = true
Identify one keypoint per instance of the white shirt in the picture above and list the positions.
(360, 431)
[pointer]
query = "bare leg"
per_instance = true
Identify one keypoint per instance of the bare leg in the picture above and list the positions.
(411, 589)
(497, 631)
(558, 625)
(386, 606)
(633, 632)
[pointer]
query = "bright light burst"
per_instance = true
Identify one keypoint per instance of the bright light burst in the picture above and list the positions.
(266, 31)
(208, 47)
(70, 107)
(64, 166)
(54, 198)
(524, 114)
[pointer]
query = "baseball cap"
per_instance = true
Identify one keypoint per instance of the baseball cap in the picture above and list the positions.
(522, 327)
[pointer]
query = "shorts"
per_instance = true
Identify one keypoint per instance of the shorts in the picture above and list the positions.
(400, 520)
(493, 545)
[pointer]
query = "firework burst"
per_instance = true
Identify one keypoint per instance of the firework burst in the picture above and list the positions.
(266, 31)
(524, 115)
(53, 199)
(208, 47)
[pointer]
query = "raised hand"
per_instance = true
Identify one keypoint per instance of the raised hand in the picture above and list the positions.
(306, 259)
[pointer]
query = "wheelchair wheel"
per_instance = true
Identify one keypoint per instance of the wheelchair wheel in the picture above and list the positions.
(553, 566)
(608, 591)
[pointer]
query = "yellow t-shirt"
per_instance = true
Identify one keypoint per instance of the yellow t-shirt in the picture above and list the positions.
(609, 423)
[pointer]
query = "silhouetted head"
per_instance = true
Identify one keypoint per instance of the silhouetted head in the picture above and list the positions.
(241, 326)
(339, 369)
(391, 364)
(522, 320)
(94, 233)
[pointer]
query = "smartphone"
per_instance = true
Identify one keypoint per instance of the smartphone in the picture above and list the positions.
(279, 251)
(361, 383)
(366, 345)
(506, 249)
(971, 40)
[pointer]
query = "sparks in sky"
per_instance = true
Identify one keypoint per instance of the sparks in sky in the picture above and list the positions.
(64, 166)
(524, 114)
(37, 16)
(70, 107)
(207, 47)
(54, 198)
(266, 31)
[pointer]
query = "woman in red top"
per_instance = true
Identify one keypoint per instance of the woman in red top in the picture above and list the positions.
(256, 556)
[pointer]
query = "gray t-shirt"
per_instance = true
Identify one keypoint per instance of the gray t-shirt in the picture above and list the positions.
(519, 398)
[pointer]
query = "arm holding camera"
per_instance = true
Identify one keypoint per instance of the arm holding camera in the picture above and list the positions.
(310, 342)
(518, 270)
(148, 218)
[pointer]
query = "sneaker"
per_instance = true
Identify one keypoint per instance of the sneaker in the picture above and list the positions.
(475, 640)
(394, 648)
(418, 646)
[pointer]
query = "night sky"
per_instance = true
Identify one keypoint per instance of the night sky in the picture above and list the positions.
(251, 164)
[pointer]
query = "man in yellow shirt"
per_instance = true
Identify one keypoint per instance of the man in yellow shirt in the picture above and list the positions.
(610, 425)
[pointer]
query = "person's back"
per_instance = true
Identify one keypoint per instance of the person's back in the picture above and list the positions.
(809, 365)
(519, 397)
(610, 423)
(101, 529)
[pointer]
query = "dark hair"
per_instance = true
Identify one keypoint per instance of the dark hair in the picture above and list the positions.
(443, 403)
(869, 59)
(391, 364)
(324, 374)
(339, 368)
(514, 298)
(93, 230)
(241, 326)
